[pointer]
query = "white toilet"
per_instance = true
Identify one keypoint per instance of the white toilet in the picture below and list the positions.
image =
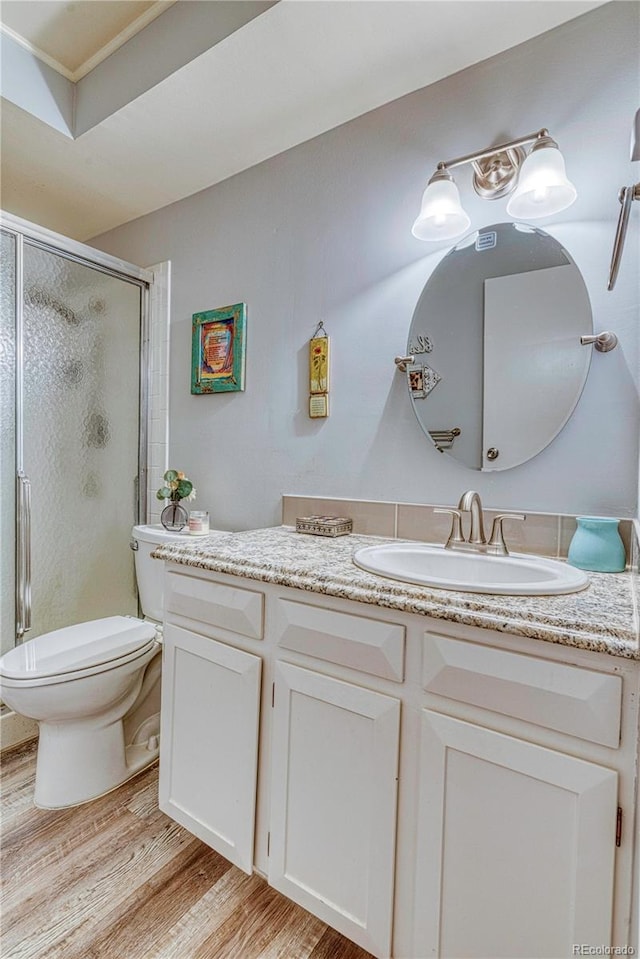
(94, 689)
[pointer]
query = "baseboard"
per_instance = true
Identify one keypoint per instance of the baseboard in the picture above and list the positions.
(16, 729)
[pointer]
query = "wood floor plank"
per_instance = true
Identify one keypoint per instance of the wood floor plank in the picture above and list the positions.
(205, 916)
(250, 927)
(107, 885)
(68, 860)
(334, 946)
(117, 879)
(297, 939)
(37, 827)
(144, 801)
(17, 756)
(62, 848)
(17, 781)
(149, 915)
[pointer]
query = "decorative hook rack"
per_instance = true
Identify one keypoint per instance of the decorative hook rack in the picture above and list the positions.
(444, 438)
(603, 342)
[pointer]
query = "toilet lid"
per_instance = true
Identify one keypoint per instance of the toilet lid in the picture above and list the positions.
(77, 647)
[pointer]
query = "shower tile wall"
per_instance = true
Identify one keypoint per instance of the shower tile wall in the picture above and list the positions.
(158, 435)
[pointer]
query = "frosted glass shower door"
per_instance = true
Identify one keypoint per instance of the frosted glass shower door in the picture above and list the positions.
(80, 407)
(7, 440)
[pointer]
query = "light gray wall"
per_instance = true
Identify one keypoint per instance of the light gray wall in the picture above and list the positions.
(35, 87)
(323, 232)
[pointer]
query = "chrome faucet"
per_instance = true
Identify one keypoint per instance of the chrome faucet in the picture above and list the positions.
(470, 502)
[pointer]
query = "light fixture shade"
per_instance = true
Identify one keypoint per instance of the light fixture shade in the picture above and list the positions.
(543, 187)
(441, 215)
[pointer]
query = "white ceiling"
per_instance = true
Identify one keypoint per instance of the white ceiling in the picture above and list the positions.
(293, 72)
(73, 37)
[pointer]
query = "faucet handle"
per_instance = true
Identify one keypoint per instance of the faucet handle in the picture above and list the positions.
(455, 534)
(496, 542)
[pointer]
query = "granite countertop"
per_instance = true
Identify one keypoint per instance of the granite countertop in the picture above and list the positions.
(603, 617)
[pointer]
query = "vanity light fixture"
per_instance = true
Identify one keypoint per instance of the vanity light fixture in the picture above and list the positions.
(537, 182)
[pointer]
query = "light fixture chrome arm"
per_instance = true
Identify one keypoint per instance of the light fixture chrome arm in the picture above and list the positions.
(492, 151)
(536, 179)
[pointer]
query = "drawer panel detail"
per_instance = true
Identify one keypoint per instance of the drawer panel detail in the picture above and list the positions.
(572, 700)
(238, 610)
(367, 645)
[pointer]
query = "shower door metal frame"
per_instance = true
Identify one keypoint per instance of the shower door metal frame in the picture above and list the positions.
(41, 238)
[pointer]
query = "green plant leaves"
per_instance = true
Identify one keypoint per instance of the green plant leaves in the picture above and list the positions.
(176, 487)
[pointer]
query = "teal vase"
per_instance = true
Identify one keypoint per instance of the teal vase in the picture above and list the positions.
(596, 545)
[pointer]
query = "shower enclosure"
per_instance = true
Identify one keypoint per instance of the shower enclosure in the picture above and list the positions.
(73, 342)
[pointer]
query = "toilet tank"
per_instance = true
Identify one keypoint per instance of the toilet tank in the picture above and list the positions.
(150, 572)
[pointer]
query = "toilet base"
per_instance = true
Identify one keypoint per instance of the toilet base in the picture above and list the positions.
(85, 763)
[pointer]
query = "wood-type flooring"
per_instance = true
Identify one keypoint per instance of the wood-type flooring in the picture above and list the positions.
(117, 879)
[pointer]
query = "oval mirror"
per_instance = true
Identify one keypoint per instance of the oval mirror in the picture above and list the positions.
(495, 337)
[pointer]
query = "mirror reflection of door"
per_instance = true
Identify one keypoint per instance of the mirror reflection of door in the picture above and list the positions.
(532, 323)
(504, 320)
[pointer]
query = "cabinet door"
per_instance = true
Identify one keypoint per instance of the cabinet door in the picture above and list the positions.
(515, 846)
(209, 741)
(333, 802)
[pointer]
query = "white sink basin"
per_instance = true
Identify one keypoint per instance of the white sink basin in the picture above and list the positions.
(514, 575)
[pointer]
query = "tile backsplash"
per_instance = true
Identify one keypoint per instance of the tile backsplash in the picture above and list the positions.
(369, 517)
(546, 534)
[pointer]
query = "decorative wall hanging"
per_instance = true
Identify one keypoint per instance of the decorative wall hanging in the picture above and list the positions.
(416, 381)
(431, 379)
(421, 344)
(218, 349)
(319, 373)
(422, 379)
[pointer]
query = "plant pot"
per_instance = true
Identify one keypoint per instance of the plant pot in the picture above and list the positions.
(174, 517)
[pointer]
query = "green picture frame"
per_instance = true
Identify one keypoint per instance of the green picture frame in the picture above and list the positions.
(218, 348)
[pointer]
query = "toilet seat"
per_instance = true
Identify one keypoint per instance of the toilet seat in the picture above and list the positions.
(75, 651)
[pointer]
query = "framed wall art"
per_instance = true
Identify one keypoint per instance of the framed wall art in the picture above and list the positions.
(218, 345)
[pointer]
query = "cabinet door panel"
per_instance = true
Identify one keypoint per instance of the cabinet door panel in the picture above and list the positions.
(515, 846)
(333, 802)
(209, 741)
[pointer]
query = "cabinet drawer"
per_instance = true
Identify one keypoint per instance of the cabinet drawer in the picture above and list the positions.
(580, 702)
(367, 645)
(238, 610)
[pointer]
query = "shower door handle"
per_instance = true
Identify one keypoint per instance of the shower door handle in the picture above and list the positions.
(23, 555)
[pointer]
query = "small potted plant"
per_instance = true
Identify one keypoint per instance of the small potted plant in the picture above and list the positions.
(176, 487)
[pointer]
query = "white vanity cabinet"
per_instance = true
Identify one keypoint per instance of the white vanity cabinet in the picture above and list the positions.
(334, 769)
(428, 789)
(334, 783)
(210, 717)
(515, 846)
(517, 814)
